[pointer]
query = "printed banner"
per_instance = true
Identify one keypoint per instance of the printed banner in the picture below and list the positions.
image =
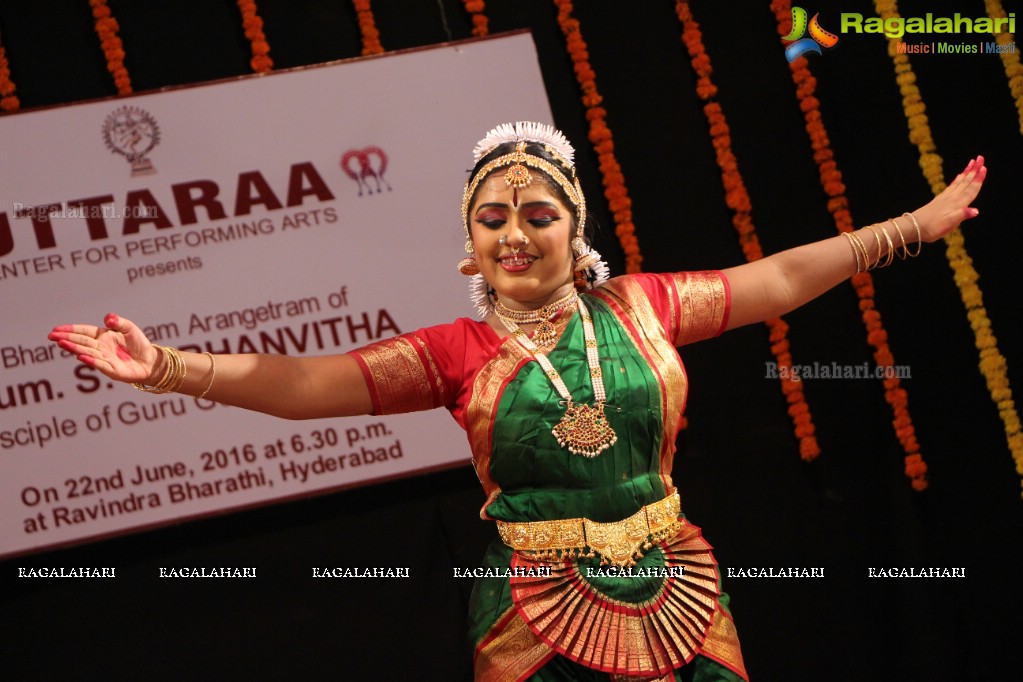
(305, 212)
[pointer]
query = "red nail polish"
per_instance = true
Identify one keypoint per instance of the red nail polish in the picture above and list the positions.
(111, 321)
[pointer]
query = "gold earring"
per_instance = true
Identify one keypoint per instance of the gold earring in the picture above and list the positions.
(584, 257)
(468, 265)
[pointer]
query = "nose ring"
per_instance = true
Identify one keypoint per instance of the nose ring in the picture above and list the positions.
(503, 241)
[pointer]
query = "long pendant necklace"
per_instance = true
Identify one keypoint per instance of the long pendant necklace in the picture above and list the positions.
(584, 429)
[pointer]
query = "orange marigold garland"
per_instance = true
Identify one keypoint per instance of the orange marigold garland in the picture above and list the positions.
(8, 100)
(737, 199)
(600, 135)
(253, 24)
(113, 50)
(368, 28)
(480, 26)
(863, 282)
(1010, 60)
(992, 362)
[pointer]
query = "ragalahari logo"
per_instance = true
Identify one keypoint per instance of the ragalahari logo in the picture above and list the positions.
(818, 36)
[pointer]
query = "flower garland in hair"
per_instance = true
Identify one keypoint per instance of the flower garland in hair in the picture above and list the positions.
(863, 282)
(253, 24)
(480, 25)
(1010, 60)
(992, 362)
(8, 100)
(738, 200)
(113, 50)
(368, 28)
(600, 135)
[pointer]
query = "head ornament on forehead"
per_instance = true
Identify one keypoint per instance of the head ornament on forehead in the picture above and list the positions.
(591, 271)
(519, 161)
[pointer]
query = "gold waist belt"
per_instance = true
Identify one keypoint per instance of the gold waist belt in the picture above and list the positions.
(618, 543)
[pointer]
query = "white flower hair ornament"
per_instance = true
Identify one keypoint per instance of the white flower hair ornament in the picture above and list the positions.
(525, 131)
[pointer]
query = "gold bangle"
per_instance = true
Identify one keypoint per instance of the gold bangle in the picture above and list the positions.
(905, 251)
(166, 371)
(919, 236)
(877, 239)
(891, 245)
(179, 374)
(862, 249)
(172, 377)
(856, 253)
(213, 375)
(888, 239)
(175, 370)
(880, 248)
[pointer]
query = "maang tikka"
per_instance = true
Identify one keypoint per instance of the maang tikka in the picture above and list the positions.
(591, 270)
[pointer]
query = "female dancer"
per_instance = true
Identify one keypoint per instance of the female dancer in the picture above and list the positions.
(571, 393)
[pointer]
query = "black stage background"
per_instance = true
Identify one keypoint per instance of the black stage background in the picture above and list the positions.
(738, 467)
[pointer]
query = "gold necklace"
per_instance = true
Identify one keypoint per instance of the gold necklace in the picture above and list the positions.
(584, 429)
(545, 335)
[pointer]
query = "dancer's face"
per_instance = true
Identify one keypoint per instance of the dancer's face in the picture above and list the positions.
(533, 265)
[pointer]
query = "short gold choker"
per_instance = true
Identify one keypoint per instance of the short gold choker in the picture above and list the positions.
(545, 335)
(538, 314)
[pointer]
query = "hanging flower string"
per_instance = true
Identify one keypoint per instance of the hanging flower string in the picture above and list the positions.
(480, 25)
(8, 100)
(992, 362)
(113, 50)
(1010, 60)
(368, 28)
(253, 25)
(863, 282)
(737, 199)
(600, 135)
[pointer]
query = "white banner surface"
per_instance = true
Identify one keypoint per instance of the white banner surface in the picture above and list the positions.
(306, 212)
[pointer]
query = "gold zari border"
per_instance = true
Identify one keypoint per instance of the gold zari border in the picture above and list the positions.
(703, 302)
(653, 636)
(649, 337)
(515, 649)
(400, 379)
(722, 644)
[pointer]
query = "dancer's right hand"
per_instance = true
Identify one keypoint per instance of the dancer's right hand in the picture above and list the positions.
(119, 350)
